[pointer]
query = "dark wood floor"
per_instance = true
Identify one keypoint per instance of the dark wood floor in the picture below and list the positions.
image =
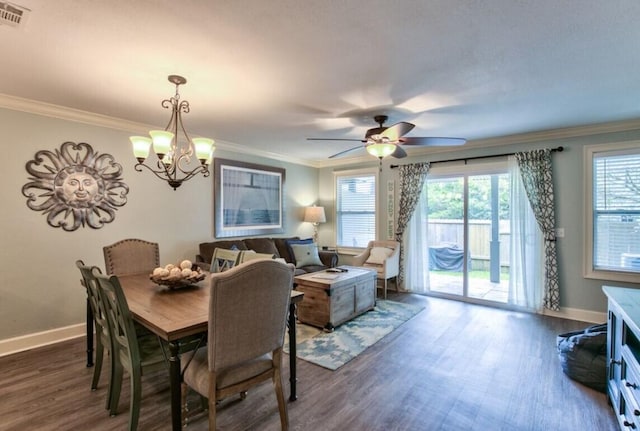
(455, 366)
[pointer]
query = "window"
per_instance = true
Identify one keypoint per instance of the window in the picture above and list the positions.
(355, 208)
(613, 225)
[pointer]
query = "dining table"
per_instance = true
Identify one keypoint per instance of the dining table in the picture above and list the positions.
(178, 314)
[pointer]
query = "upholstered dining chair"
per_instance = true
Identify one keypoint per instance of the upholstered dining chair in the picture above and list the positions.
(384, 258)
(247, 323)
(131, 256)
(224, 259)
(103, 338)
(132, 353)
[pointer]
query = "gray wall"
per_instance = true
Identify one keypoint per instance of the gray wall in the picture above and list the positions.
(576, 291)
(39, 288)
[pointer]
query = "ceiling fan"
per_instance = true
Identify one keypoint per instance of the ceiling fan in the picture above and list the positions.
(384, 141)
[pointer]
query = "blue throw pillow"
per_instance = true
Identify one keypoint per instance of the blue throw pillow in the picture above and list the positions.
(289, 242)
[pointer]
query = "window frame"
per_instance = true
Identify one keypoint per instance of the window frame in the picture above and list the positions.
(589, 152)
(356, 173)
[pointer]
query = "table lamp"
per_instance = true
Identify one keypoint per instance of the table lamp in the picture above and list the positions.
(314, 215)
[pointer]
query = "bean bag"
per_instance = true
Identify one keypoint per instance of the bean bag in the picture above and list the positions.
(583, 356)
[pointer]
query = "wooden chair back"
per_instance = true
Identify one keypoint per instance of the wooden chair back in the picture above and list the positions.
(103, 336)
(247, 255)
(224, 259)
(119, 319)
(95, 302)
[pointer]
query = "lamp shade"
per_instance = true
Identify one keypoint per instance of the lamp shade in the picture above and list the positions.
(204, 149)
(141, 146)
(161, 141)
(314, 215)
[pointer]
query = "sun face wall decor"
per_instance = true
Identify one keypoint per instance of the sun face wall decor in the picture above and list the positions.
(75, 187)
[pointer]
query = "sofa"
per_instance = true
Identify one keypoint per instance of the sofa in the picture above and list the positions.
(285, 248)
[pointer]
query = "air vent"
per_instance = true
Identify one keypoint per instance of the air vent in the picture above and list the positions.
(12, 14)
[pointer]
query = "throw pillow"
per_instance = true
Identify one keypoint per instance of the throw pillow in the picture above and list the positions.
(378, 255)
(291, 242)
(306, 254)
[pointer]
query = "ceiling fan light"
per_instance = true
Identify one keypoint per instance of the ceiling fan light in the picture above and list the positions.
(381, 150)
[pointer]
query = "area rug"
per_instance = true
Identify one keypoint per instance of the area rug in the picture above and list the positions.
(333, 350)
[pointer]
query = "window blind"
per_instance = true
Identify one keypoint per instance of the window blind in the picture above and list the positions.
(355, 210)
(616, 211)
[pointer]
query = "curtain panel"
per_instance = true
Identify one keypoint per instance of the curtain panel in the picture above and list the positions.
(412, 177)
(535, 168)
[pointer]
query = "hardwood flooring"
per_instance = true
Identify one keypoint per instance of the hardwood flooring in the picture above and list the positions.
(455, 366)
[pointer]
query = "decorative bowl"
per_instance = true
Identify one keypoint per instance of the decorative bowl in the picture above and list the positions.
(177, 282)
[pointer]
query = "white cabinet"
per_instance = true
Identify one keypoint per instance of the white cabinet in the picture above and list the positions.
(623, 354)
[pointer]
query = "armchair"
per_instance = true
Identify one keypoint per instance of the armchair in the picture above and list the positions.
(384, 257)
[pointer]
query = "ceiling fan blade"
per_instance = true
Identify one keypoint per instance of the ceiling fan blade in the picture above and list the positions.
(336, 139)
(399, 153)
(346, 151)
(434, 141)
(397, 130)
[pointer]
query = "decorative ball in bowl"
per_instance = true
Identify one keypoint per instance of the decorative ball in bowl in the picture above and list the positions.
(174, 276)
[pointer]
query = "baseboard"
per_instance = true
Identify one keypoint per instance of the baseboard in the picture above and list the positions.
(578, 314)
(39, 339)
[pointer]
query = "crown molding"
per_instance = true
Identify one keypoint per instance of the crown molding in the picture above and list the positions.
(561, 133)
(69, 114)
(93, 119)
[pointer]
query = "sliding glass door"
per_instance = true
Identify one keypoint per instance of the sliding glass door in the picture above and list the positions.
(468, 215)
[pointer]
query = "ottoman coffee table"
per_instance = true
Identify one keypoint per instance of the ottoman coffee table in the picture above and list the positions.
(332, 298)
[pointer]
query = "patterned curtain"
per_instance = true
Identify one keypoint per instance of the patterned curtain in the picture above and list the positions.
(535, 168)
(412, 177)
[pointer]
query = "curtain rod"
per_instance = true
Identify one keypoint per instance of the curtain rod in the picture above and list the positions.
(465, 159)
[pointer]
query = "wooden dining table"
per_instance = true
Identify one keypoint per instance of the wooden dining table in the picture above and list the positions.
(175, 314)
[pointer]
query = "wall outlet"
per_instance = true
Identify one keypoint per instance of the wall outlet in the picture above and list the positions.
(559, 232)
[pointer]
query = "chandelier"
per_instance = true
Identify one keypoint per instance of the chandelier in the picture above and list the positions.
(174, 156)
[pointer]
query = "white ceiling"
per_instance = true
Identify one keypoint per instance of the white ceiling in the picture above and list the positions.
(264, 75)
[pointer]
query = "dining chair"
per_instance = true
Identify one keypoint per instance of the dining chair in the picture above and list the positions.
(131, 256)
(134, 354)
(247, 255)
(384, 258)
(224, 259)
(247, 323)
(103, 337)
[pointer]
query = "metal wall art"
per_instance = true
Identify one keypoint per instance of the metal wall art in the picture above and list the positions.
(74, 186)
